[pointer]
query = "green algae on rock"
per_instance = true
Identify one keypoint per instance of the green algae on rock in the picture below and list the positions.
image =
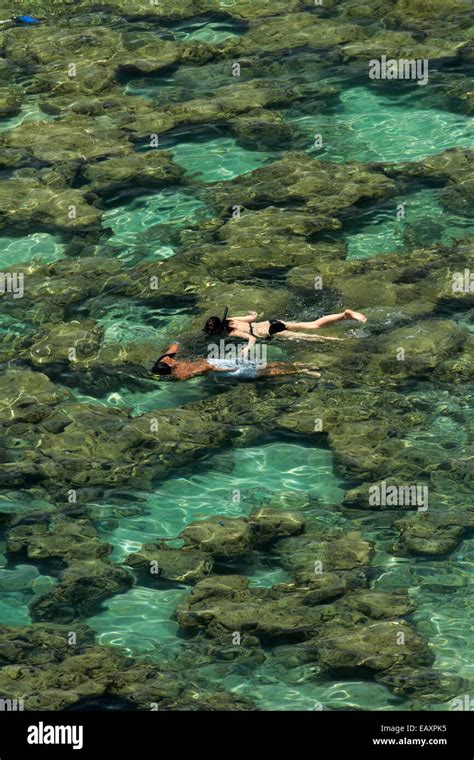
(342, 611)
(184, 565)
(57, 671)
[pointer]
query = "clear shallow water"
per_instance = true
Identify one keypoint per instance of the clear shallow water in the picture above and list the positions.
(444, 610)
(207, 31)
(139, 621)
(425, 222)
(141, 322)
(30, 111)
(264, 471)
(217, 160)
(370, 126)
(157, 396)
(140, 618)
(141, 227)
(275, 688)
(365, 125)
(18, 585)
(38, 247)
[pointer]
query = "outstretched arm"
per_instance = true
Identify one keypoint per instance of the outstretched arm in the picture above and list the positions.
(173, 348)
(248, 318)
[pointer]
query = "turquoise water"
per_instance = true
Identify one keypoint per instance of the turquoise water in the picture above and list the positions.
(139, 225)
(261, 472)
(407, 221)
(218, 160)
(139, 619)
(39, 247)
(18, 586)
(29, 111)
(371, 126)
(205, 30)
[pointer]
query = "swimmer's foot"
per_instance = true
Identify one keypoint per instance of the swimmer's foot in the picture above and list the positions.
(357, 315)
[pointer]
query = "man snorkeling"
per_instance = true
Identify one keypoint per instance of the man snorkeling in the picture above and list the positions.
(168, 366)
(248, 329)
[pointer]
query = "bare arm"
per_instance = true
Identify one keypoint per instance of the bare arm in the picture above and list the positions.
(248, 318)
(251, 340)
(173, 348)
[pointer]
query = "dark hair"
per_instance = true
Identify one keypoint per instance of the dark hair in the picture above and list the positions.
(214, 325)
(161, 368)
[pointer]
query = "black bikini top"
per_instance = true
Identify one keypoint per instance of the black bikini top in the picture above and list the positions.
(225, 322)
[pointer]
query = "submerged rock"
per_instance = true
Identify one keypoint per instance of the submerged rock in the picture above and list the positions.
(221, 605)
(11, 100)
(145, 169)
(52, 667)
(61, 343)
(224, 108)
(318, 551)
(315, 186)
(296, 215)
(454, 167)
(340, 631)
(184, 565)
(75, 139)
(295, 30)
(88, 577)
(25, 202)
(225, 538)
(427, 534)
(220, 536)
(378, 646)
(424, 684)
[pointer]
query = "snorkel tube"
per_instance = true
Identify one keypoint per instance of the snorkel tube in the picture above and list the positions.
(215, 325)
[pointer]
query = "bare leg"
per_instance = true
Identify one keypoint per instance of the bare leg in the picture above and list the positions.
(330, 319)
(289, 335)
(305, 366)
(277, 368)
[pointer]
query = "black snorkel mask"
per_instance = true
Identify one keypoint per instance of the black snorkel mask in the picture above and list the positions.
(159, 364)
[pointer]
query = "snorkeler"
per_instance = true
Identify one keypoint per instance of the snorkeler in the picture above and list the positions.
(250, 330)
(176, 369)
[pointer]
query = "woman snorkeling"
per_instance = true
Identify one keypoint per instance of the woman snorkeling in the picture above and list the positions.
(248, 329)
